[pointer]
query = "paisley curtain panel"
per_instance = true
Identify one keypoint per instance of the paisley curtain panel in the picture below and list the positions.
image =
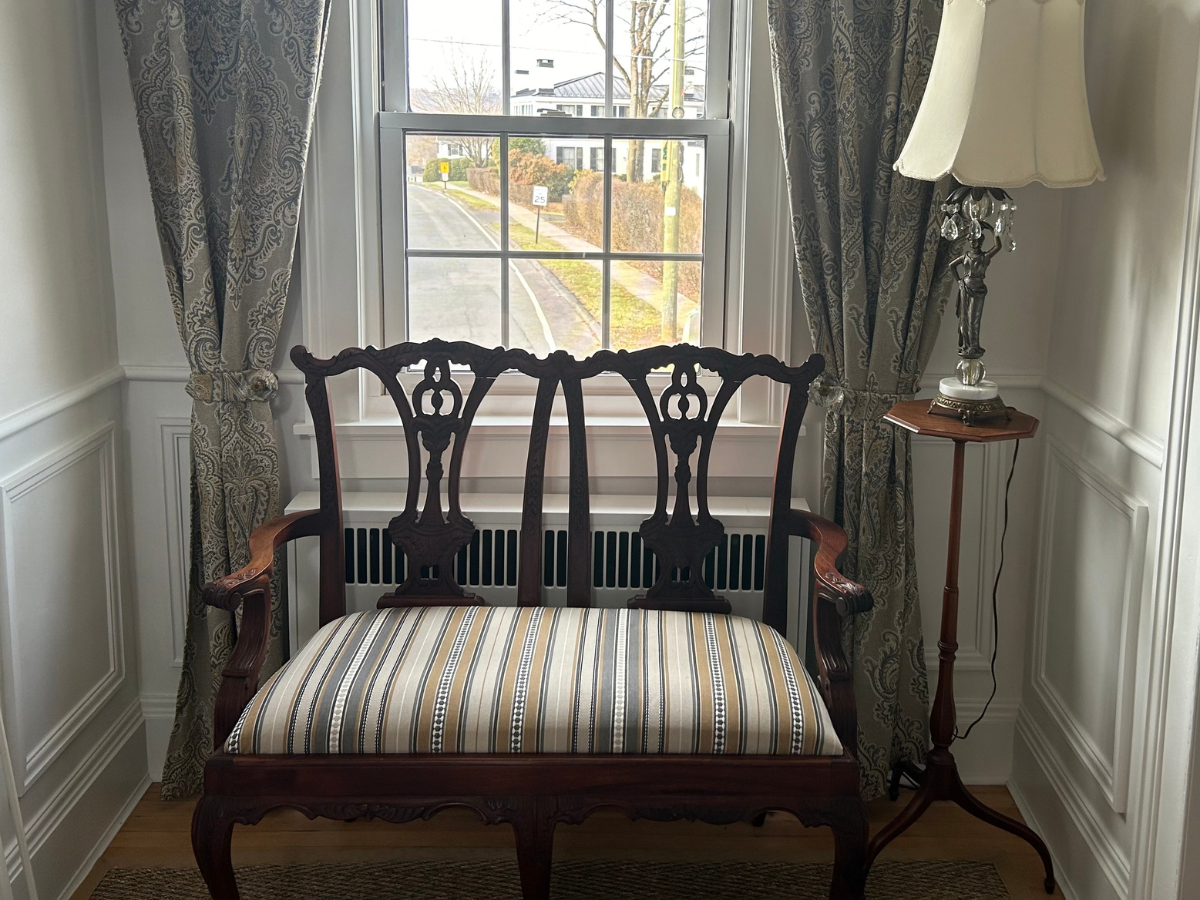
(224, 92)
(849, 76)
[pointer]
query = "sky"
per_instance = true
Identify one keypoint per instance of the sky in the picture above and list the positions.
(438, 30)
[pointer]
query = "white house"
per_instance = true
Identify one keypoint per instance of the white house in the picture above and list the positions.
(583, 97)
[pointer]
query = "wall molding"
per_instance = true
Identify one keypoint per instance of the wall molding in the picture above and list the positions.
(1062, 881)
(1106, 851)
(175, 448)
(1111, 772)
(44, 409)
(32, 762)
(43, 823)
(182, 373)
(1148, 448)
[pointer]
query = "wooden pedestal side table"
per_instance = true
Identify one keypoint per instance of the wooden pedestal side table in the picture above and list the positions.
(939, 780)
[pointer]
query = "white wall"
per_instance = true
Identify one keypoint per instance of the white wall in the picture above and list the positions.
(69, 675)
(1080, 766)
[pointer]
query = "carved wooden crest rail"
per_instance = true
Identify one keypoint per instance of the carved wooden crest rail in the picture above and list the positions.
(437, 413)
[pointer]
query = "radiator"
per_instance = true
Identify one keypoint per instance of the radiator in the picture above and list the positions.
(620, 566)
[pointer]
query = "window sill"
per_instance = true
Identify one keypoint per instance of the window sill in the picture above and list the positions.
(503, 426)
(618, 447)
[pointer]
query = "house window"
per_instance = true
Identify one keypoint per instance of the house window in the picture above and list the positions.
(600, 261)
(571, 157)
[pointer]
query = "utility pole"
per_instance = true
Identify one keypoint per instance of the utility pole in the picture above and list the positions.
(672, 174)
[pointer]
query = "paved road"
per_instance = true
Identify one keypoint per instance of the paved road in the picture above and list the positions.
(459, 299)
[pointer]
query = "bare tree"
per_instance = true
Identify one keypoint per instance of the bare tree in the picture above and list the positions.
(650, 48)
(466, 83)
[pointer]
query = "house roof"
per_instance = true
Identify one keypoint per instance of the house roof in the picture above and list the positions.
(591, 87)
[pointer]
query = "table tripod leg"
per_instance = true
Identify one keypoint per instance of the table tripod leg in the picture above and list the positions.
(967, 801)
(916, 807)
(904, 769)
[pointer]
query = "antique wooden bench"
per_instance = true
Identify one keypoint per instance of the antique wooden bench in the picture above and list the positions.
(533, 715)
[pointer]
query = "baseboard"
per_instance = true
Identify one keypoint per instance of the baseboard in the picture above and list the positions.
(42, 825)
(1060, 877)
(118, 822)
(986, 756)
(1077, 837)
(159, 712)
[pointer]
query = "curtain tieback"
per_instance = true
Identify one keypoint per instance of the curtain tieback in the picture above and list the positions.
(853, 403)
(248, 385)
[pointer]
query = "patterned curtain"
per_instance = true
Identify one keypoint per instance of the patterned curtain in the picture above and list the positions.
(849, 76)
(224, 92)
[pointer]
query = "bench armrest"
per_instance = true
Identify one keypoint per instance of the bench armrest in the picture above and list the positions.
(250, 588)
(834, 597)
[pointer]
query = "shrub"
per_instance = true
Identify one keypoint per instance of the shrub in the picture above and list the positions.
(525, 168)
(486, 181)
(458, 169)
(637, 221)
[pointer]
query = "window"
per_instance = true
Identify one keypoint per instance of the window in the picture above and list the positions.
(571, 157)
(628, 254)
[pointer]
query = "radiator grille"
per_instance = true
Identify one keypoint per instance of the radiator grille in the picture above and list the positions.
(490, 559)
(619, 560)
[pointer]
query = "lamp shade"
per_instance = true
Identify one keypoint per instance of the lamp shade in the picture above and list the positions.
(1006, 102)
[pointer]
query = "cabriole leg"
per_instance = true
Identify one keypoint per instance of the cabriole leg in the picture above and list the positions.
(212, 838)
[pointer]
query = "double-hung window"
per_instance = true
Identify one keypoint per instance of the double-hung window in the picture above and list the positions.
(509, 216)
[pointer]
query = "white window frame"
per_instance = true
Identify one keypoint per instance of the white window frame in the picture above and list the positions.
(341, 268)
(712, 129)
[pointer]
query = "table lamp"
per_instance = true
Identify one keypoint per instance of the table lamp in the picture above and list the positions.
(1005, 105)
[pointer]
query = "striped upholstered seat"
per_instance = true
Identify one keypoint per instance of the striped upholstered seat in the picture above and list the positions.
(539, 680)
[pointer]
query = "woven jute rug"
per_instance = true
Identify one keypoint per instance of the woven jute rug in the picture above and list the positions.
(572, 880)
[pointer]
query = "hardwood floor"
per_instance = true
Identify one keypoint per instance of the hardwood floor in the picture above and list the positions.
(157, 834)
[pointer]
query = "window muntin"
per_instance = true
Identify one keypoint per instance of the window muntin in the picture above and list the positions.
(605, 271)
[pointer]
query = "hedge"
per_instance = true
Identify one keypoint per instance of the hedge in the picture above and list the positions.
(458, 169)
(637, 221)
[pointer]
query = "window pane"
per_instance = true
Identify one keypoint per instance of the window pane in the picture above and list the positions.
(664, 213)
(573, 216)
(454, 299)
(557, 57)
(658, 63)
(555, 304)
(647, 295)
(454, 56)
(449, 177)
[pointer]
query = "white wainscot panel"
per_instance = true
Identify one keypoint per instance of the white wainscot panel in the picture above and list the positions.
(63, 654)
(1093, 545)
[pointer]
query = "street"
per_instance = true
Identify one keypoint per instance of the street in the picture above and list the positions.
(459, 299)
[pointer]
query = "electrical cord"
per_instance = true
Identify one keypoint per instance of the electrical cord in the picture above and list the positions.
(995, 603)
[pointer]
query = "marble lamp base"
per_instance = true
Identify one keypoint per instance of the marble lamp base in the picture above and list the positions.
(969, 402)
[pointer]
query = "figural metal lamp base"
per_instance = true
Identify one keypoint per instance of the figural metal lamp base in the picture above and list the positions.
(983, 219)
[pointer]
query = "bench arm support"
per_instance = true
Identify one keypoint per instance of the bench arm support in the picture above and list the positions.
(834, 597)
(250, 589)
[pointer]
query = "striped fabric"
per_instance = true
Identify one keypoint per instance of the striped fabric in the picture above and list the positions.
(539, 680)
